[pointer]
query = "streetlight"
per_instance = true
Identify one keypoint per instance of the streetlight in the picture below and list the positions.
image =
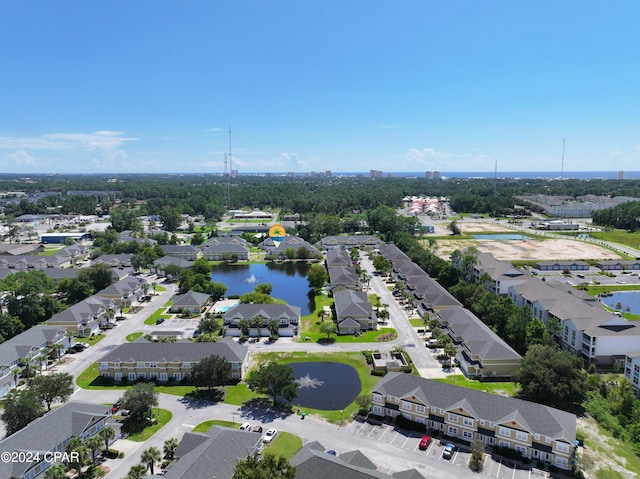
(340, 417)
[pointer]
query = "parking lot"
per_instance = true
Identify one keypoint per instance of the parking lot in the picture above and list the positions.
(408, 440)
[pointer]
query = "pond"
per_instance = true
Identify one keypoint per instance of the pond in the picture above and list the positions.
(328, 386)
(500, 237)
(624, 299)
(289, 281)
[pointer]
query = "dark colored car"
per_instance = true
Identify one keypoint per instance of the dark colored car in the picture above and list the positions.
(449, 449)
(159, 320)
(424, 442)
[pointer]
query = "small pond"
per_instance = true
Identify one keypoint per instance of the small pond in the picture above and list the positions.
(501, 237)
(624, 299)
(289, 281)
(327, 386)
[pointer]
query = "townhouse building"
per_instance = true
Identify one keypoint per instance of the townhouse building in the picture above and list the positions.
(28, 346)
(353, 312)
(183, 251)
(259, 316)
(189, 302)
(51, 433)
(168, 361)
(537, 432)
(341, 277)
(632, 370)
(348, 242)
(126, 292)
(337, 257)
(86, 317)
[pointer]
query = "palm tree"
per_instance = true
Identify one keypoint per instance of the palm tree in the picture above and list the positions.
(244, 326)
(93, 444)
(170, 447)
(78, 452)
(57, 347)
(56, 471)
(136, 471)
(106, 434)
(16, 374)
(150, 456)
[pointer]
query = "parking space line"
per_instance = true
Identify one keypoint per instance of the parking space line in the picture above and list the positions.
(360, 428)
(499, 466)
(385, 431)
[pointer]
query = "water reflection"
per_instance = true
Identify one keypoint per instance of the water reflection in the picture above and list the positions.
(289, 281)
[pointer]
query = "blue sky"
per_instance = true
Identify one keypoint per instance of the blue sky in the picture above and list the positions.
(153, 86)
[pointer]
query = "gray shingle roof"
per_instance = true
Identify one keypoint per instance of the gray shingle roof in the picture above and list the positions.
(551, 422)
(176, 352)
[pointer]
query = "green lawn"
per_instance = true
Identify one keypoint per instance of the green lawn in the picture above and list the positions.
(509, 388)
(205, 426)
(285, 444)
(91, 340)
(356, 360)
(133, 336)
(311, 327)
(238, 394)
(155, 316)
(618, 236)
(162, 416)
(160, 289)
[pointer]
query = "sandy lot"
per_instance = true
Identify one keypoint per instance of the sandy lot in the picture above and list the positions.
(530, 249)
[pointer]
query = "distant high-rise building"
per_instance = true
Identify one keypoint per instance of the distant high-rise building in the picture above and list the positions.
(428, 174)
(436, 175)
(389, 175)
(375, 174)
(621, 175)
(328, 174)
(291, 174)
(269, 175)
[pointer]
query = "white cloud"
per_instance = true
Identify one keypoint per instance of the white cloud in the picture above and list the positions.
(21, 157)
(214, 129)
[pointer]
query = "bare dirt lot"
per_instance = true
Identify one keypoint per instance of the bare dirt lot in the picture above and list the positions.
(529, 249)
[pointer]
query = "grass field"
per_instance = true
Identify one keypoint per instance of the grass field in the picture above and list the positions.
(205, 426)
(162, 417)
(157, 315)
(502, 388)
(285, 444)
(618, 236)
(133, 336)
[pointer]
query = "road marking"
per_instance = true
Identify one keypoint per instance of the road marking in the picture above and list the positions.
(385, 431)
(360, 428)
(188, 425)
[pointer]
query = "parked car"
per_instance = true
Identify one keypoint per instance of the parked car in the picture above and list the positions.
(116, 406)
(159, 320)
(268, 437)
(196, 333)
(257, 428)
(245, 427)
(449, 449)
(424, 442)
(331, 452)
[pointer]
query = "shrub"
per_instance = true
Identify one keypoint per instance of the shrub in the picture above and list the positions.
(405, 423)
(378, 372)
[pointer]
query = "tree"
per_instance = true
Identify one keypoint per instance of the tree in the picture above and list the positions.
(450, 350)
(208, 325)
(78, 453)
(244, 327)
(454, 228)
(93, 444)
(150, 456)
(264, 288)
(273, 327)
(381, 264)
(211, 371)
(269, 466)
(136, 471)
(551, 376)
(274, 380)
(364, 403)
(317, 276)
(106, 434)
(56, 471)
(170, 218)
(328, 328)
(52, 387)
(170, 447)
(20, 408)
(140, 400)
(477, 455)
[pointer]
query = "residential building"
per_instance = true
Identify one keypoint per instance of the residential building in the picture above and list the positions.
(288, 318)
(216, 451)
(341, 277)
(86, 317)
(126, 292)
(51, 433)
(276, 248)
(535, 431)
(191, 302)
(122, 260)
(225, 248)
(160, 264)
(28, 346)
(313, 462)
(497, 275)
(166, 361)
(353, 312)
(481, 352)
(183, 251)
(337, 257)
(618, 264)
(350, 241)
(567, 265)
(632, 370)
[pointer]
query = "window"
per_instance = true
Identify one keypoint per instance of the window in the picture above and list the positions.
(504, 444)
(177, 376)
(433, 409)
(481, 422)
(562, 447)
(522, 450)
(118, 377)
(391, 398)
(420, 420)
(405, 405)
(104, 366)
(453, 417)
(153, 365)
(420, 409)
(504, 431)
(132, 376)
(521, 436)
(561, 461)
(467, 434)
(467, 421)
(452, 431)
(377, 410)
(142, 364)
(163, 376)
(536, 436)
(186, 365)
(377, 397)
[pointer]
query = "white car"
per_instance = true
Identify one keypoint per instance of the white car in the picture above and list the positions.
(245, 427)
(268, 437)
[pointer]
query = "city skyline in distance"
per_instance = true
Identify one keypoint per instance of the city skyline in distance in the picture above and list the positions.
(152, 87)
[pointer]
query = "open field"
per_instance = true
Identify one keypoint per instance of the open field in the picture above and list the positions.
(551, 248)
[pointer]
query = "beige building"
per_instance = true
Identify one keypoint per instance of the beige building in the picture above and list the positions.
(537, 432)
(168, 361)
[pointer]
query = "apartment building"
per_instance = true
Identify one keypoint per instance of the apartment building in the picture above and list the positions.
(537, 432)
